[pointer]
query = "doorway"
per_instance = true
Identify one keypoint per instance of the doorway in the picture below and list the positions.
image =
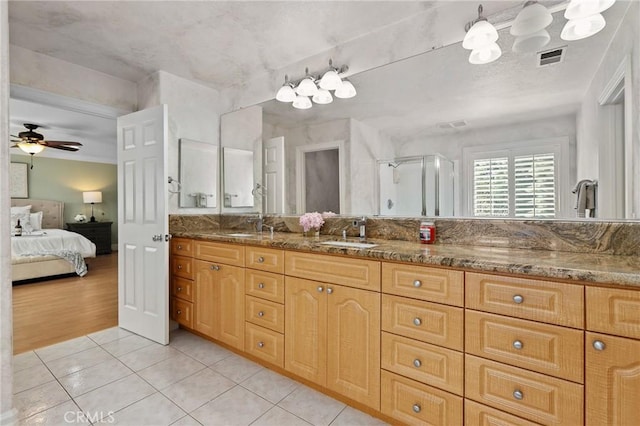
(320, 177)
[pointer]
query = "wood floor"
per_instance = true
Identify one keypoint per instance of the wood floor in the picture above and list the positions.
(52, 311)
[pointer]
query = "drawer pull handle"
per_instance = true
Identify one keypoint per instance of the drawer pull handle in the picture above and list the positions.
(260, 259)
(179, 288)
(329, 290)
(179, 312)
(417, 283)
(179, 247)
(417, 408)
(518, 299)
(417, 321)
(179, 266)
(417, 363)
(260, 314)
(518, 395)
(215, 268)
(261, 285)
(320, 289)
(599, 345)
(260, 344)
(517, 344)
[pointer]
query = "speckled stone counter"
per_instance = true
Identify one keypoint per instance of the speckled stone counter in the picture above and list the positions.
(586, 267)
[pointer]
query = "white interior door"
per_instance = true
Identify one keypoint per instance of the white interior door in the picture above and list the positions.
(274, 201)
(143, 224)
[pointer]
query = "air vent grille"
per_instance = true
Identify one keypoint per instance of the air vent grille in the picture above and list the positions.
(550, 57)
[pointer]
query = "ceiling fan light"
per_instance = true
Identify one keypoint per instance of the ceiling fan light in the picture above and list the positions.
(31, 147)
(345, 91)
(307, 87)
(302, 102)
(286, 93)
(532, 42)
(531, 19)
(577, 29)
(330, 80)
(578, 9)
(323, 97)
(485, 55)
(481, 34)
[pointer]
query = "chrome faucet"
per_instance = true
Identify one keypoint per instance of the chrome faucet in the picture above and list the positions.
(258, 222)
(270, 228)
(361, 223)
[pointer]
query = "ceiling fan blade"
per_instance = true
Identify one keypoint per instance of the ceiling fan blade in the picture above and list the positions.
(16, 140)
(55, 143)
(65, 148)
(14, 146)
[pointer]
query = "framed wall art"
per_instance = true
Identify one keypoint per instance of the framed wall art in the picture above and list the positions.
(18, 183)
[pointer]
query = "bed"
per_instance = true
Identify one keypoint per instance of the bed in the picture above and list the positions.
(28, 258)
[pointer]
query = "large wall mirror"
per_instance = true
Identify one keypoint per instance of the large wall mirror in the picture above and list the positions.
(198, 174)
(238, 182)
(475, 116)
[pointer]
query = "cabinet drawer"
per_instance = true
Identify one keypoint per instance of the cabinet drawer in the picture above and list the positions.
(548, 349)
(265, 344)
(182, 312)
(351, 272)
(182, 288)
(414, 403)
(524, 393)
(265, 259)
(182, 267)
(182, 247)
(614, 311)
(480, 415)
(264, 313)
(423, 362)
(423, 282)
(265, 285)
(229, 254)
(545, 301)
(429, 322)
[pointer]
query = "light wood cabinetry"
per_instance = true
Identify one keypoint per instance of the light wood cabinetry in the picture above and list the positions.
(424, 282)
(480, 415)
(614, 311)
(181, 282)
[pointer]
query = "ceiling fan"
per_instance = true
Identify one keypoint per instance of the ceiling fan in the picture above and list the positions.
(32, 142)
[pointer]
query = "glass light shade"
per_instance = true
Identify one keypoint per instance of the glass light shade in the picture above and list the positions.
(31, 147)
(345, 91)
(322, 97)
(92, 197)
(307, 87)
(479, 35)
(577, 29)
(532, 42)
(302, 102)
(286, 94)
(531, 19)
(330, 80)
(578, 9)
(485, 55)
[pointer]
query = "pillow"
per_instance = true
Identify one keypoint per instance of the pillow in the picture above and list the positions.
(20, 209)
(36, 221)
(23, 217)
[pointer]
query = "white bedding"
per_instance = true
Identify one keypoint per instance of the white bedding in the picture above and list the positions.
(51, 240)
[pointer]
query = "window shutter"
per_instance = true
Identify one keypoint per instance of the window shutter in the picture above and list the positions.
(491, 187)
(535, 186)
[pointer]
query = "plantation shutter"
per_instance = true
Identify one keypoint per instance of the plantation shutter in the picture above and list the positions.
(534, 186)
(491, 187)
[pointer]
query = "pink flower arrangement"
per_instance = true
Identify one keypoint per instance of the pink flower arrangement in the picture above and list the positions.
(311, 220)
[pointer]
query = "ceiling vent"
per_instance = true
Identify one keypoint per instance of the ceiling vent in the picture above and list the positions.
(452, 124)
(550, 57)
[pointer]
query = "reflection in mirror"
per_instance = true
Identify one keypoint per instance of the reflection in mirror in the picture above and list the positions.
(238, 181)
(487, 117)
(198, 162)
(320, 172)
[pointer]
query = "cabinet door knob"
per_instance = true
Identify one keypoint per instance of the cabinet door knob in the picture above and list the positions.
(260, 314)
(320, 288)
(518, 395)
(215, 268)
(417, 321)
(260, 344)
(179, 266)
(179, 247)
(518, 299)
(260, 259)
(179, 288)
(179, 312)
(599, 345)
(417, 283)
(417, 408)
(417, 363)
(517, 344)
(329, 290)
(261, 285)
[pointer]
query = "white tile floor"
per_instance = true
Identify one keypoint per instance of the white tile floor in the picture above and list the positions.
(115, 377)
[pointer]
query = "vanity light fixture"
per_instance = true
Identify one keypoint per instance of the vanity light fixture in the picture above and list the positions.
(585, 18)
(286, 92)
(323, 97)
(481, 39)
(307, 87)
(346, 90)
(302, 102)
(529, 28)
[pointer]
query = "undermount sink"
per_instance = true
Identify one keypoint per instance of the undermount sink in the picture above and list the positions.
(240, 235)
(348, 244)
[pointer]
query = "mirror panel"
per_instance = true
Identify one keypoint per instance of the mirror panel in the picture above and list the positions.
(238, 182)
(198, 166)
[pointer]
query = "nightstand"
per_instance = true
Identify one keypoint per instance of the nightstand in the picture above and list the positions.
(98, 232)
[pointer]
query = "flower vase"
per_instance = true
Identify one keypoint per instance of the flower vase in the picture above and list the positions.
(311, 233)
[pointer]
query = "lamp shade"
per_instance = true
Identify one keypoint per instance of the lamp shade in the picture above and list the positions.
(330, 80)
(31, 147)
(533, 18)
(578, 9)
(92, 197)
(345, 91)
(322, 97)
(307, 87)
(286, 93)
(481, 34)
(485, 54)
(302, 102)
(577, 29)
(531, 42)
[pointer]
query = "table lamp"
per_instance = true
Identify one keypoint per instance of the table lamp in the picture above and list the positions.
(92, 197)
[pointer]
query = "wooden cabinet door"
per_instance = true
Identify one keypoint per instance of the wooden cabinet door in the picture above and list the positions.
(305, 320)
(229, 303)
(353, 343)
(205, 314)
(612, 380)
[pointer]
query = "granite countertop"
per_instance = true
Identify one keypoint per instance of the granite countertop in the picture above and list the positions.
(589, 268)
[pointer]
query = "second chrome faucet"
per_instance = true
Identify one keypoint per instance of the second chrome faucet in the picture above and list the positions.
(361, 223)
